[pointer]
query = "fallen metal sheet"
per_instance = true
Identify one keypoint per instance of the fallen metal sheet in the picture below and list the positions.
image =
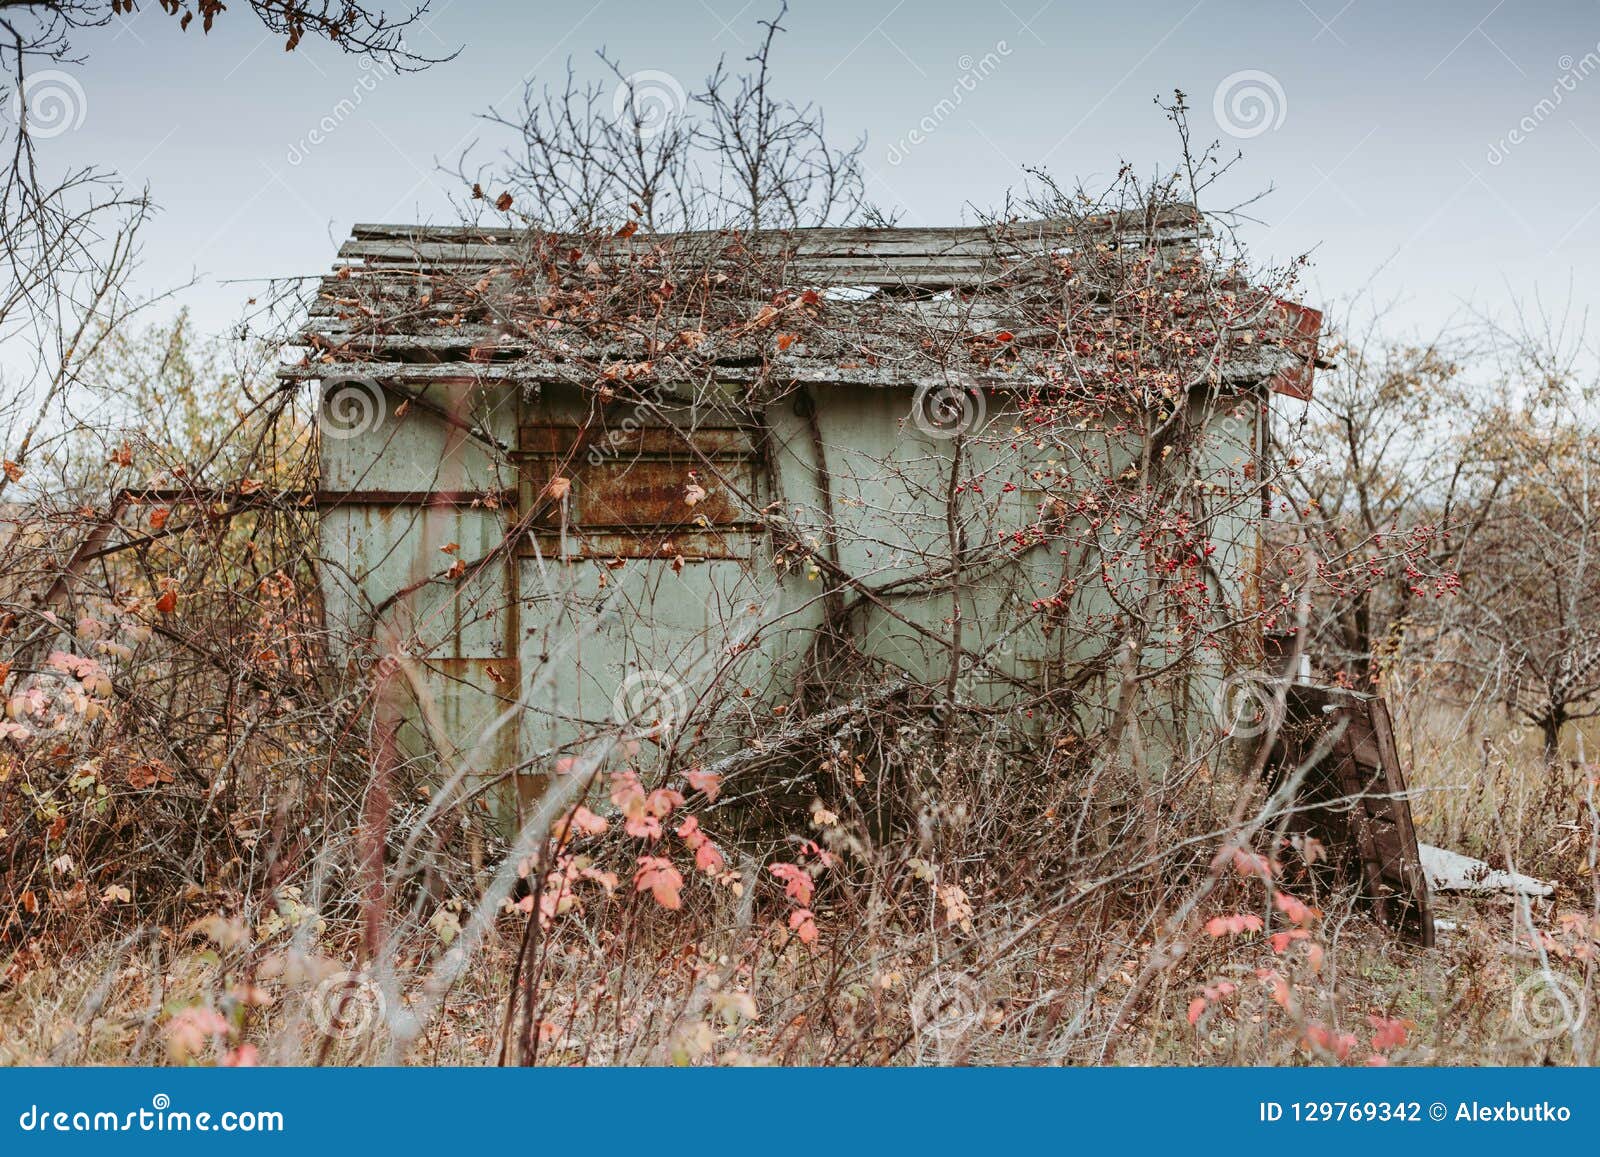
(1355, 801)
(1449, 871)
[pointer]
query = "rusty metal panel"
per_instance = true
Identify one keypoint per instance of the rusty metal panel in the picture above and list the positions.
(650, 494)
(1355, 801)
(642, 491)
(1305, 326)
(624, 441)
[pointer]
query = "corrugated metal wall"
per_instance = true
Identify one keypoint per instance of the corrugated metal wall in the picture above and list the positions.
(633, 600)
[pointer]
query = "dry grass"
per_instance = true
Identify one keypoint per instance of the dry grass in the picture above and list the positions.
(902, 972)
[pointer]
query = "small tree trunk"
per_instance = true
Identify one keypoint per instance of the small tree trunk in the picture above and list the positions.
(1550, 727)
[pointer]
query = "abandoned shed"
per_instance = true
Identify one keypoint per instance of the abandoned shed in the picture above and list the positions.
(665, 489)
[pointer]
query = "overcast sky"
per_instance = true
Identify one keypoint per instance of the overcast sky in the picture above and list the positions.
(1406, 143)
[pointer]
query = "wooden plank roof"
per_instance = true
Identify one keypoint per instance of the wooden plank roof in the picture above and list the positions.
(391, 307)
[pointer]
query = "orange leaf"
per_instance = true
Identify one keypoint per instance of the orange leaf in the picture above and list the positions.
(1295, 909)
(797, 882)
(159, 516)
(1391, 1034)
(168, 602)
(657, 874)
(785, 340)
(583, 822)
(803, 925)
(148, 774)
(707, 782)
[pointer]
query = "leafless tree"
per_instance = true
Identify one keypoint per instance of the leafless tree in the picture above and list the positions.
(640, 147)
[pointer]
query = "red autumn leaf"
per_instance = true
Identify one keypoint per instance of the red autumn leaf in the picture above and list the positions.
(1292, 907)
(708, 783)
(1281, 940)
(804, 925)
(583, 822)
(1391, 1034)
(797, 882)
(1003, 335)
(168, 602)
(159, 516)
(661, 801)
(1232, 925)
(148, 774)
(785, 340)
(657, 875)
(1251, 864)
(643, 826)
(707, 857)
(1339, 1044)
